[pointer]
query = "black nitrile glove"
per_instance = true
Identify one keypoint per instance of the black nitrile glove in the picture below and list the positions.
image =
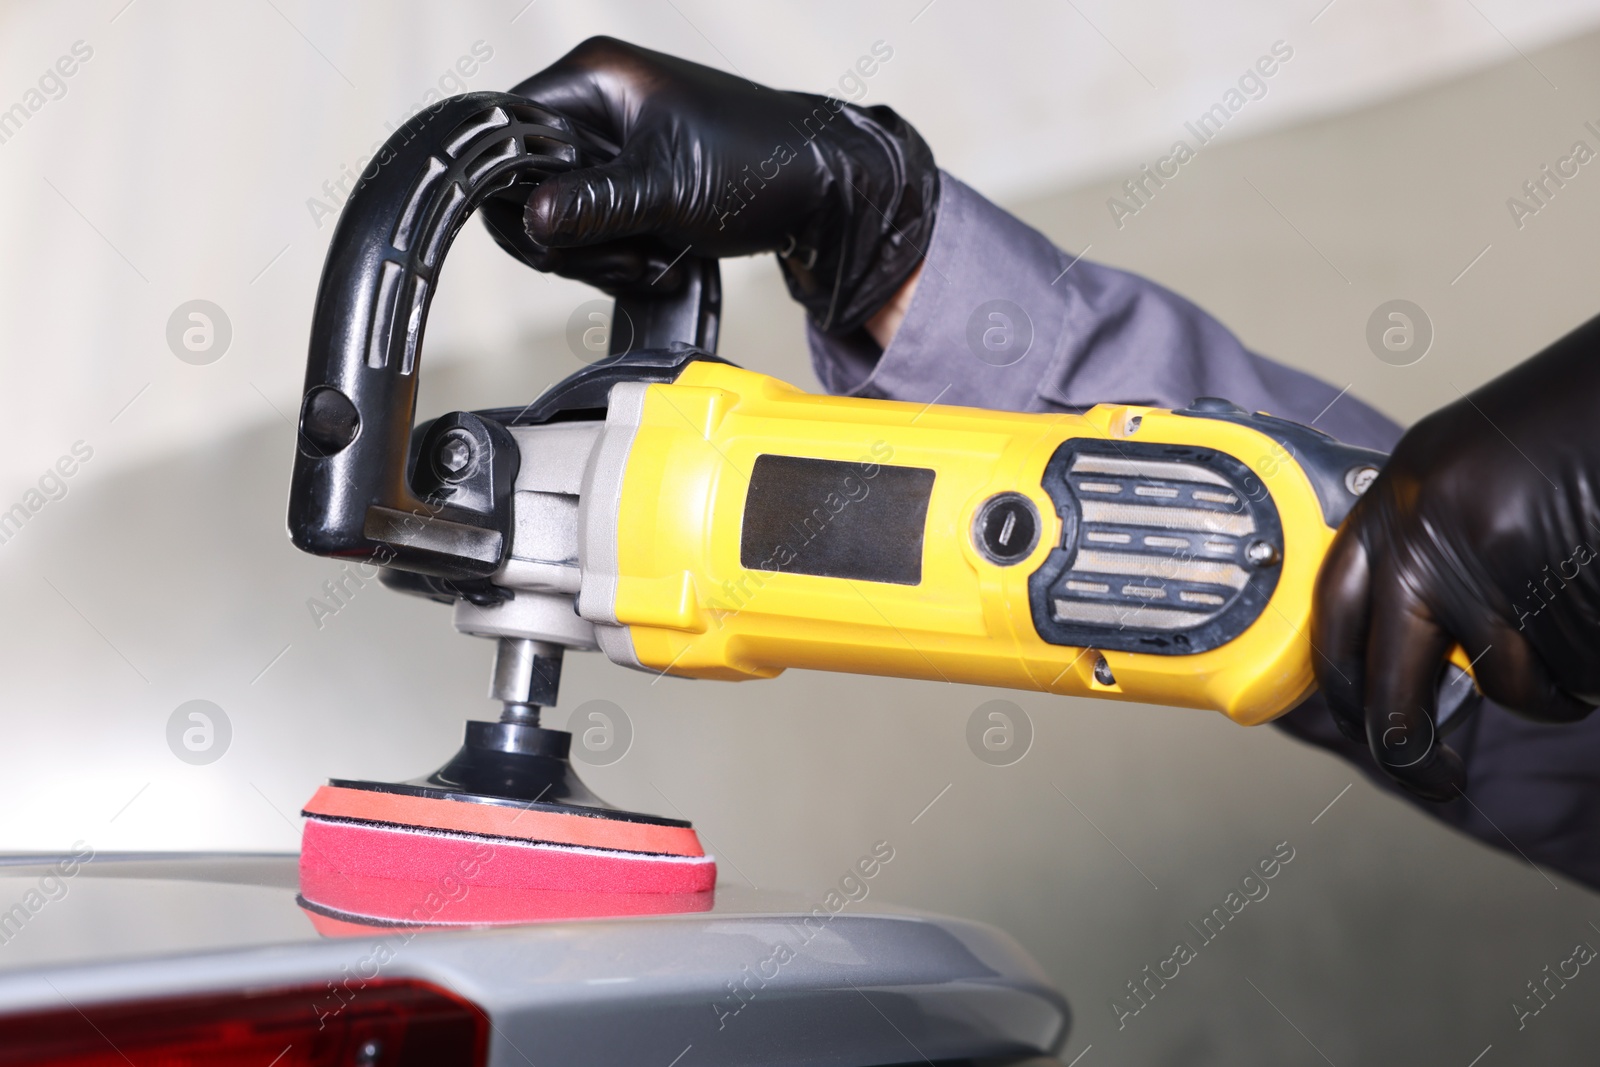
(1482, 530)
(720, 166)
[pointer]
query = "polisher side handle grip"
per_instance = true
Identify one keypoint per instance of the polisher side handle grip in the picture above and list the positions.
(355, 491)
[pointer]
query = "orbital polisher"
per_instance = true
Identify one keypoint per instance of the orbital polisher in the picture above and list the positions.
(684, 516)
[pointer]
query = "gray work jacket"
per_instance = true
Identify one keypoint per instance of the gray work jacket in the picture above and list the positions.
(1004, 319)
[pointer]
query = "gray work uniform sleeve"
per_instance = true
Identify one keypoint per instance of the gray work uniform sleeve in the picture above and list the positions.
(1003, 319)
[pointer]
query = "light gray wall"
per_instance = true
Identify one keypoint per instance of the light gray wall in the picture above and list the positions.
(1386, 940)
(197, 151)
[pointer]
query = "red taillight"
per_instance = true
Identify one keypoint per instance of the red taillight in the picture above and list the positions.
(380, 1024)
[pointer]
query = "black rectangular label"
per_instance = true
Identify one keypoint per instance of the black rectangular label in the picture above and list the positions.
(836, 520)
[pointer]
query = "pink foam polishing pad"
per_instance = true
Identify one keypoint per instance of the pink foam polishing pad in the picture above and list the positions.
(426, 861)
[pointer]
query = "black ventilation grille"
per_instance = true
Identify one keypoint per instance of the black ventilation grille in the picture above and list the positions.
(1165, 549)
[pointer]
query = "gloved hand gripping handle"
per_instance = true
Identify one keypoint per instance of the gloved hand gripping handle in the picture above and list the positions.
(356, 491)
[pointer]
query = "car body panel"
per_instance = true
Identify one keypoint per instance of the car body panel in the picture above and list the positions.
(760, 978)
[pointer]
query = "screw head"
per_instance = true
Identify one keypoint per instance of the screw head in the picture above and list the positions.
(1359, 479)
(454, 455)
(1102, 672)
(1261, 553)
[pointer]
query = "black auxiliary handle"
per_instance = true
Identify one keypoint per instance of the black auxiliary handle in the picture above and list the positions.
(356, 490)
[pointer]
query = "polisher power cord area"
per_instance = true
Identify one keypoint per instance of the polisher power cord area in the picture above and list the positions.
(685, 516)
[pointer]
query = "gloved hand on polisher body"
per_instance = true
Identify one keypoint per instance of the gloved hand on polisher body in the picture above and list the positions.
(1482, 529)
(719, 166)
